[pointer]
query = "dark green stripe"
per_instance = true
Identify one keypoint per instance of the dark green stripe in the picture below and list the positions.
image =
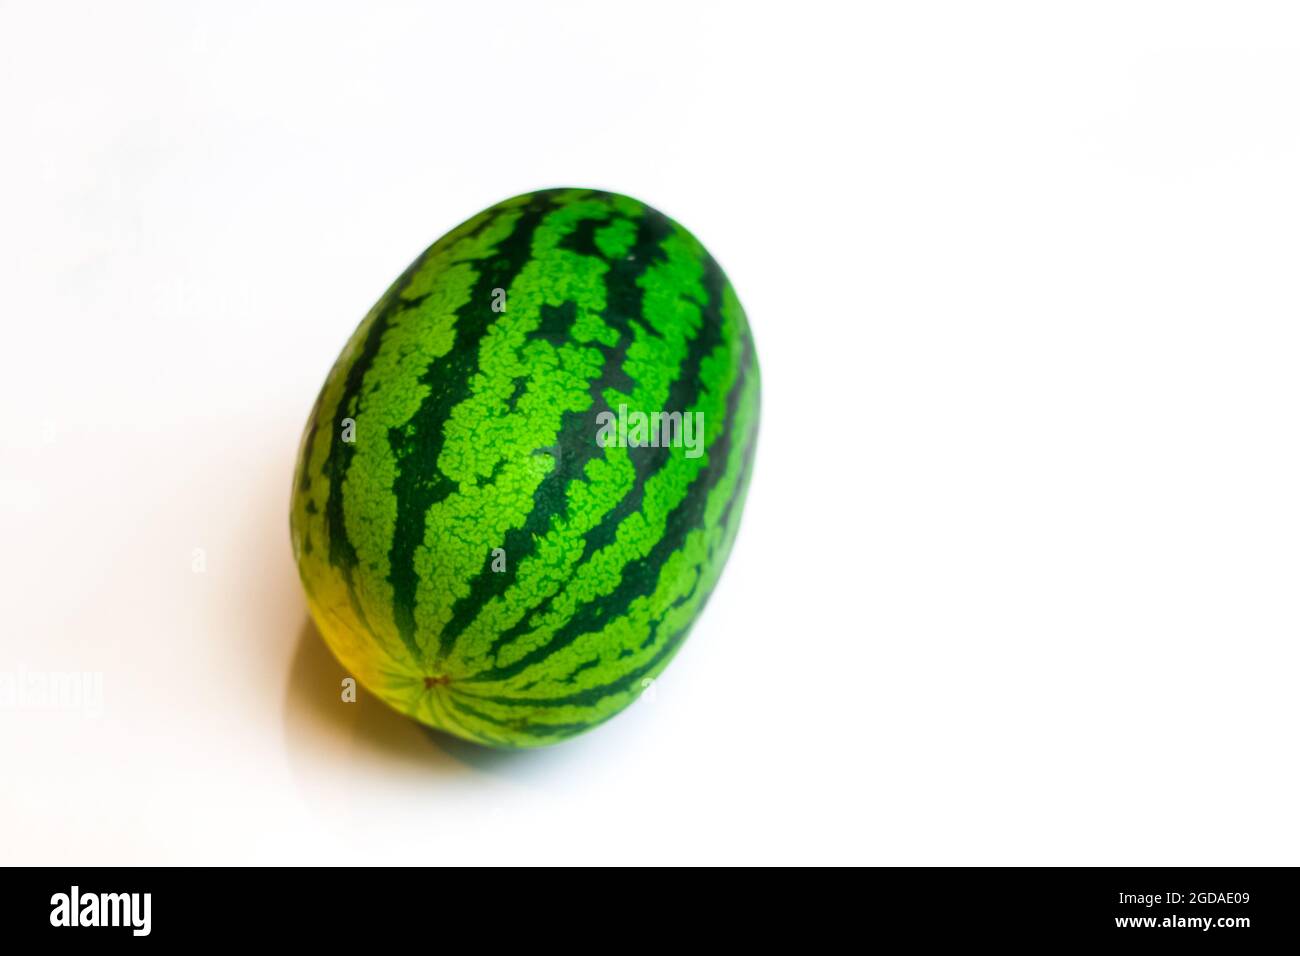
(338, 460)
(304, 480)
(640, 576)
(342, 554)
(576, 444)
(518, 724)
(625, 309)
(724, 519)
(683, 394)
(591, 696)
(417, 445)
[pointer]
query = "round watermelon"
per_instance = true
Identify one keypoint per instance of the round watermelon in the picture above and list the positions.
(524, 473)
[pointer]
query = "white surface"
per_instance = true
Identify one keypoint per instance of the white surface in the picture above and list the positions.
(1017, 581)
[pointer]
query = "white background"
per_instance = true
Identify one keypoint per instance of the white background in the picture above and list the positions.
(1017, 581)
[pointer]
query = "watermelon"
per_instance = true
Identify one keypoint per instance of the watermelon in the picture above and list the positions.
(525, 471)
